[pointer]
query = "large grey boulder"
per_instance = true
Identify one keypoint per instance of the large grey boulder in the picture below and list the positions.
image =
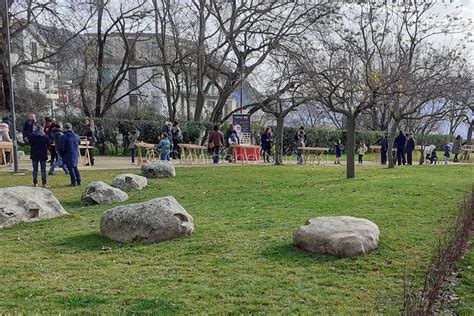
(343, 236)
(149, 222)
(129, 181)
(158, 169)
(99, 192)
(27, 204)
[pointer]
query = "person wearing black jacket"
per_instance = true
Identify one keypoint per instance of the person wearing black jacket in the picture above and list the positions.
(383, 142)
(39, 142)
(177, 138)
(28, 127)
(409, 148)
(266, 144)
(399, 144)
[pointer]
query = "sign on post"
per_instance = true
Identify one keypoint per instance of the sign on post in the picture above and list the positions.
(243, 120)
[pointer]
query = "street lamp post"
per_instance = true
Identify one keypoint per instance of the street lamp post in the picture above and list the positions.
(241, 84)
(10, 79)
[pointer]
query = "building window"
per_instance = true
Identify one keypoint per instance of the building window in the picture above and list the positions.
(133, 99)
(34, 50)
(36, 86)
(155, 50)
(211, 105)
(157, 103)
(47, 81)
(133, 79)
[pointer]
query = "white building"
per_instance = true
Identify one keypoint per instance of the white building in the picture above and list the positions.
(145, 84)
(33, 70)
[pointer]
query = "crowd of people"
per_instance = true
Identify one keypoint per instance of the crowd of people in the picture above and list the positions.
(53, 138)
(62, 143)
(404, 146)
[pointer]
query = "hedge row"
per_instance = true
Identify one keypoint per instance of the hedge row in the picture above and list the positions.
(112, 134)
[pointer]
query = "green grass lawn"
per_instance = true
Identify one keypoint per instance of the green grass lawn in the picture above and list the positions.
(240, 258)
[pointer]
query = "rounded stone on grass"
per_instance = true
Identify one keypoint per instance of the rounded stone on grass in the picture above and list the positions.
(342, 236)
(159, 169)
(99, 192)
(149, 222)
(129, 181)
(27, 204)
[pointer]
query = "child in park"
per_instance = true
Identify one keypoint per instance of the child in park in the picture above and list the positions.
(447, 153)
(338, 149)
(362, 149)
(164, 146)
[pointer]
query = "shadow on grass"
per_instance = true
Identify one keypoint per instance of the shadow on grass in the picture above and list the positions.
(285, 253)
(86, 242)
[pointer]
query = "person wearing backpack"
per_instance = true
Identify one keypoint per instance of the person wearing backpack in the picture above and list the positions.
(215, 142)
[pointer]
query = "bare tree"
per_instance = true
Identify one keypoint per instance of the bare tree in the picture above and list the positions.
(251, 30)
(113, 55)
(58, 24)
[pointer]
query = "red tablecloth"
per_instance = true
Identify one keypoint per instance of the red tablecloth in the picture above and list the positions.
(252, 154)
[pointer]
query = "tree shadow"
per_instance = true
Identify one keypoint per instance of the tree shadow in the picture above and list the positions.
(289, 254)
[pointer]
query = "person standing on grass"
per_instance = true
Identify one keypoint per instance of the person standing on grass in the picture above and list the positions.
(89, 133)
(383, 142)
(28, 126)
(132, 143)
(457, 147)
(164, 146)
(399, 144)
(300, 140)
(55, 133)
(409, 148)
(215, 142)
(39, 142)
(69, 151)
(447, 153)
(177, 137)
(338, 150)
(266, 143)
(361, 151)
(48, 122)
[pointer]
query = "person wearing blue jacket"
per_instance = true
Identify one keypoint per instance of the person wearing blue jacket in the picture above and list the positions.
(69, 151)
(447, 153)
(338, 150)
(400, 142)
(39, 142)
(55, 133)
(164, 146)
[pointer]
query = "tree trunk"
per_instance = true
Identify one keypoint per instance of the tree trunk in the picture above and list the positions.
(350, 146)
(391, 141)
(279, 140)
(100, 60)
(469, 132)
